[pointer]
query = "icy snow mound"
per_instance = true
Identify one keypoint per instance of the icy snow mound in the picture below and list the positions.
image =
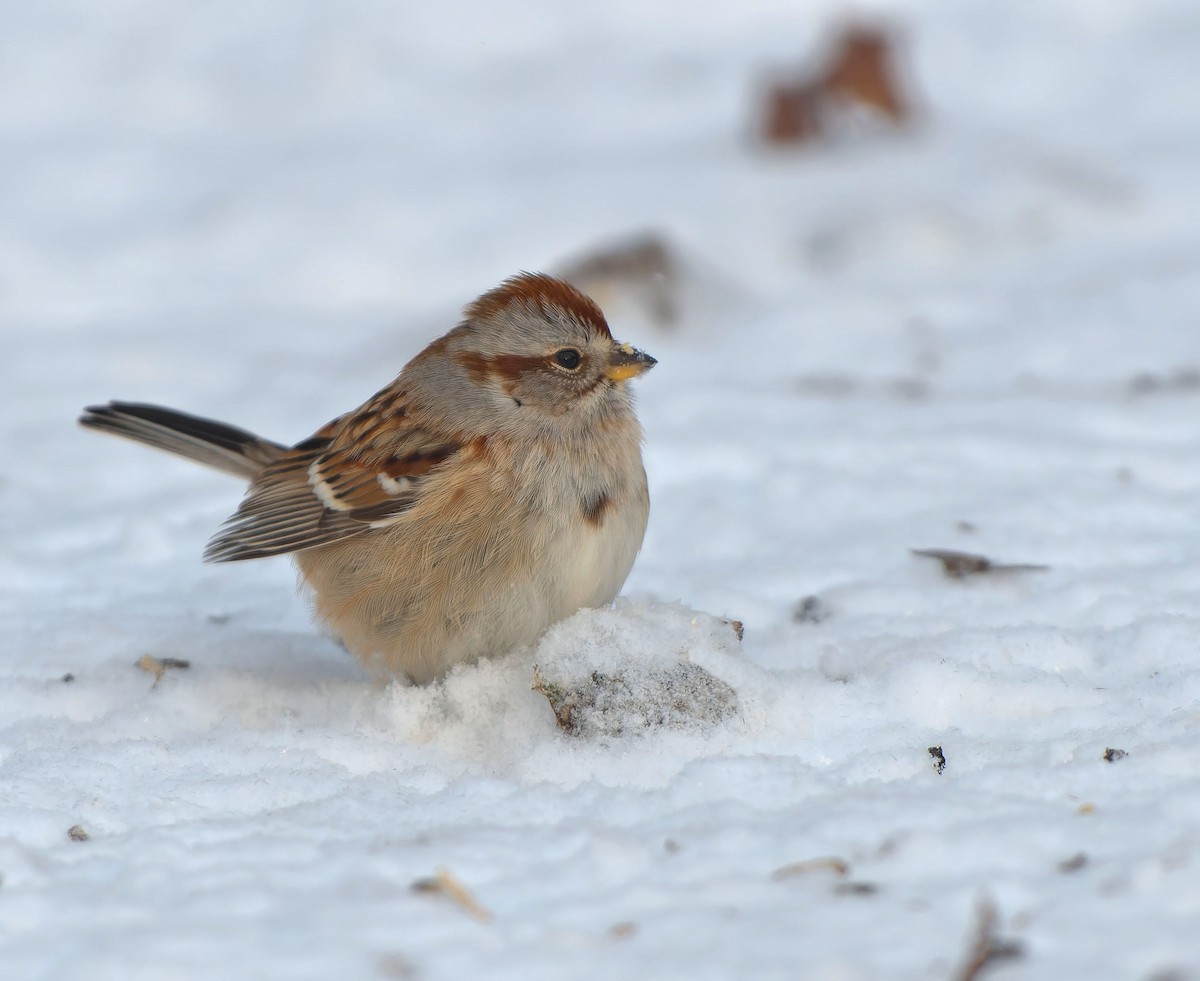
(639, 666)
(626, 696)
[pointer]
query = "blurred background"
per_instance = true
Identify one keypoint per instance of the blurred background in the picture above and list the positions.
(222, 169)
(259, 211)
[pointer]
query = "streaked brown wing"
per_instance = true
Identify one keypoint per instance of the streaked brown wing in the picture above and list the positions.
(321, 492)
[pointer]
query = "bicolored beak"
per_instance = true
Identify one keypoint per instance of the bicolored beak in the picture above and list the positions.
(627, 362)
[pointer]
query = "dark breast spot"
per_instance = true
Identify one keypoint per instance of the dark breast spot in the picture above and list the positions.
(595, 508)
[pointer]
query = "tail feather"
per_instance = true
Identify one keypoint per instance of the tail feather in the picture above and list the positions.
(215, 444)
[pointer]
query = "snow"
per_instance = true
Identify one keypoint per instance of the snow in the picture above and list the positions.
(978, 335)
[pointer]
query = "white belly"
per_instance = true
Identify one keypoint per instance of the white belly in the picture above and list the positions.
(594, 566)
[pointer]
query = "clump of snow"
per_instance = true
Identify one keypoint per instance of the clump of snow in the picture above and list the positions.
(637, 667)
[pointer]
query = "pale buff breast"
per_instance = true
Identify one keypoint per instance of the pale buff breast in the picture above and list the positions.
(592, 558)
(426, 593)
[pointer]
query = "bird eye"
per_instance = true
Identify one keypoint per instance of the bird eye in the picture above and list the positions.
(567, 358)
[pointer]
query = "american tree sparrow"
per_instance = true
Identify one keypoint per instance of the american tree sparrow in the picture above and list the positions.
(494, 488)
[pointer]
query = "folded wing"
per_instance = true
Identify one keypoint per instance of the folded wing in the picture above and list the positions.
(320, 491)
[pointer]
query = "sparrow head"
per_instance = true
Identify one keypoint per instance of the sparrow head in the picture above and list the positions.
(545, 347)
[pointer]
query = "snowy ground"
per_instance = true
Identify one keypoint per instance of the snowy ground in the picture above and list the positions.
(982, 335)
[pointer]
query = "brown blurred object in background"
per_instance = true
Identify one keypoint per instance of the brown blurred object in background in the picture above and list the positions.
(644, 266)
(792, 114)
(858, 70)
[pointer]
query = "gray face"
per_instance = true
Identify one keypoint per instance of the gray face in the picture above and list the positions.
(548, 361)
(534, 356)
